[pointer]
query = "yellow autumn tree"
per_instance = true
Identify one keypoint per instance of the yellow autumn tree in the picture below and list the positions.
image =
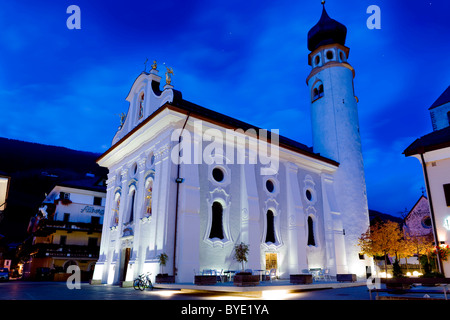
(381, 239)
(406, 249)
(422, 245)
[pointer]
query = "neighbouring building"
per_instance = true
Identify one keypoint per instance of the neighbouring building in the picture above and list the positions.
(66, 230)
(4, 188)
(433, 152)
(192, 183)
(418, 221)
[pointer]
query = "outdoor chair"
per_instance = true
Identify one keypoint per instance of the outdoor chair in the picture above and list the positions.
(220, 276)
(315, 273)
(208, 272)
(326, 275)
(320, 275)
(271, 274)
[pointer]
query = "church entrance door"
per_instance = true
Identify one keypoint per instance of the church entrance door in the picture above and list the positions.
(271, 261)
(125, 260)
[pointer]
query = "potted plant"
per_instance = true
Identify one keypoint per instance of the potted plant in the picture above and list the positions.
(163, 277)
(398, 281)
(243, 278)
(240, 253)
(429, 264)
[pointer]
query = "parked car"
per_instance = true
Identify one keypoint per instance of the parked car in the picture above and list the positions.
(4, 274)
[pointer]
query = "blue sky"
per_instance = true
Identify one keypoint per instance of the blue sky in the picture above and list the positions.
(247, 59)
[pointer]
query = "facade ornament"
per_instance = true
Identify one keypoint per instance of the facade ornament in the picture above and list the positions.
(122, 119)
(169, 72)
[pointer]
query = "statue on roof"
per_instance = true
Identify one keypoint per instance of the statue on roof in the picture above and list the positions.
(169, 72)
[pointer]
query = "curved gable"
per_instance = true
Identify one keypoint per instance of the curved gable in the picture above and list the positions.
(144, 97)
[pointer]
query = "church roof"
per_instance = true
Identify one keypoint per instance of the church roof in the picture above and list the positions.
(326, 31)
(233, 123)
(433, 141)
(180, 105)
(422, 198)
(443, 98)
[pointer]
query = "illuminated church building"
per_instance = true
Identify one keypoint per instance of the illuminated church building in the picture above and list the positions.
(305, 211)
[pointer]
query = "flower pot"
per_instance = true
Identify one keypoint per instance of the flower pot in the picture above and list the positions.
(244, 279)
(205, 280)
(164, 278)
(301, 278)
(398, 284)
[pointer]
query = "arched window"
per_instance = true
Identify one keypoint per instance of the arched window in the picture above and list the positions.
(311, 240)
(270, 232)
(217, 221)
(148, 198)
(141, 106)
(131, 211)
(115, 216)
(317, 91)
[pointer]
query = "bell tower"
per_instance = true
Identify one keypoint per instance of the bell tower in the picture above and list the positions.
(335, 129)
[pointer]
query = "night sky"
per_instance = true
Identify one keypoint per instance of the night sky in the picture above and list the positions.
(246, 59)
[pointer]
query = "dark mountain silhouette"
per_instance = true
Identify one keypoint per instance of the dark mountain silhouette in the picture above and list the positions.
(376, 216)
(34, 170)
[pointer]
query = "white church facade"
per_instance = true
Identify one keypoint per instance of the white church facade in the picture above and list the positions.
(192, 183)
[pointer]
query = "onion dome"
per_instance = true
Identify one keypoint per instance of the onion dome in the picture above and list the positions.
(326, 31)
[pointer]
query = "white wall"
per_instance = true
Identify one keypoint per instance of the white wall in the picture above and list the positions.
(438, 168)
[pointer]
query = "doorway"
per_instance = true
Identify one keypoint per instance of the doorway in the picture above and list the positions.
(126, 252)
(271, 261)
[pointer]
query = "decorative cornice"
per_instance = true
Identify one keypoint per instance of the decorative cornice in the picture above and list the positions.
(330, 64)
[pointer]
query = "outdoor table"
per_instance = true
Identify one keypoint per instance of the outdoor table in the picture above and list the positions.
(229, 274)
(261, 273)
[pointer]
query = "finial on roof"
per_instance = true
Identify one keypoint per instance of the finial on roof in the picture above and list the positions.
(326, 31)
(145, 65)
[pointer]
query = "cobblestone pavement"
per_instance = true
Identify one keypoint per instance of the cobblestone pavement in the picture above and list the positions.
(25, 290)
(100, 301)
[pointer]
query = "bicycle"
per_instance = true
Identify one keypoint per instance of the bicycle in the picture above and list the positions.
(143, 282)
(137, 281)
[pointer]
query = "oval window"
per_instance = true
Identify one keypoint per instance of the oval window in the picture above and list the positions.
(426, 222)
(317, 60)
(308, 195)
(217, 174)
(270, 186)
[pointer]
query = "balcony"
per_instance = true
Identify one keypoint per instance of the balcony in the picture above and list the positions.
(47, 226)
(42, 250)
